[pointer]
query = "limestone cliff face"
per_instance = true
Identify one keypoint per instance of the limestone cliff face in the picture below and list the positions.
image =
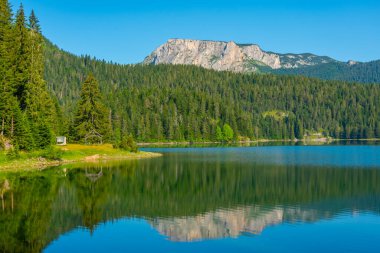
(228, 56)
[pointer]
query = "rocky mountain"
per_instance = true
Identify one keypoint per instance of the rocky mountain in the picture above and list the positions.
(229, 56)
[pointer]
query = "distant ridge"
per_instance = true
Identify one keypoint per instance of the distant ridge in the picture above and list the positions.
(231, 56)
(220, 55)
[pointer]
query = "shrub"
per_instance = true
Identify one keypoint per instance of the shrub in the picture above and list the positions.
(127, 143)
(13, 153)
(52, 153)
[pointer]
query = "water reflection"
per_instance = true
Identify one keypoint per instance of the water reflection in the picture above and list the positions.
(219, 224)
(184, 198)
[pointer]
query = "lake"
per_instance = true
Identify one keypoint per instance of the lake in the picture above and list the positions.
(211, 199)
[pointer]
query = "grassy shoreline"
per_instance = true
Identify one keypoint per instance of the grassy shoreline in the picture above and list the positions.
(73, 153)
(76, 153)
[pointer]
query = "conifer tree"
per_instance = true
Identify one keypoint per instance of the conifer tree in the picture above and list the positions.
(298, 129)
(27, 111)
(39, 106)
(91, 123)
(19, 57)
(6, 90)
(22, 135)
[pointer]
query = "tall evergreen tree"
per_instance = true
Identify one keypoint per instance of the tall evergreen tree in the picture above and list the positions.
(92, 117)
(7, 102)
(19, 57)
(39, 106)
(27, 111)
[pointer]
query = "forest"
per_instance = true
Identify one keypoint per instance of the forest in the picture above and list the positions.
(29, 116)
(363, 72)
(178, 103)
(47, 92)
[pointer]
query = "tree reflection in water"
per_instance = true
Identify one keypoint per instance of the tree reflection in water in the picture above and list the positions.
(183, 200)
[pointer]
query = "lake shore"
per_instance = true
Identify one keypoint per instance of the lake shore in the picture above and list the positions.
(315, 140)
(71, 154)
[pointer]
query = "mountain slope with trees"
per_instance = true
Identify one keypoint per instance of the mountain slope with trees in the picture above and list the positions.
(42, 96)
(177, 103)
(364, 72)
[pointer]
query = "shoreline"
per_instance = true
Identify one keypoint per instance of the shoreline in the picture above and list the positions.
(88, 154)
(77, 154)
(319, 140)
(40, 164)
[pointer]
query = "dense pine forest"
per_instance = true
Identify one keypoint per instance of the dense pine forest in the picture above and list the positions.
(367, 72)
(167, 103)
(28, 114)
(47, 92)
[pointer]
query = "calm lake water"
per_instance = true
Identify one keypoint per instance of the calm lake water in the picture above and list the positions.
(221, 199)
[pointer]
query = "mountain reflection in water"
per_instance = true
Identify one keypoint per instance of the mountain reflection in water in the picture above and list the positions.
(184, 199)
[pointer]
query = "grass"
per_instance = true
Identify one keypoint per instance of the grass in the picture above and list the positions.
(67, 154)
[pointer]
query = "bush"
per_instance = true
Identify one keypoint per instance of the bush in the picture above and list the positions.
(13, 153)
(127, 143)
(52, 153)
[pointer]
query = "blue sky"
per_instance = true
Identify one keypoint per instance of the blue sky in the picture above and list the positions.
(126, 31)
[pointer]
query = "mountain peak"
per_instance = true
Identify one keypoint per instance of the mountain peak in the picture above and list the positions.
(229, 56)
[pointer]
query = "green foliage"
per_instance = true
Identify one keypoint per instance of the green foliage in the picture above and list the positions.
(91, 119)
(43, 135)
(219, 134)
(166, 103)
(298, 130)
(177, 103)
(27, 112)
(22, 134)
(368, 72)
(128, 144)
(13, 153)
(228, 133)
(52, 153)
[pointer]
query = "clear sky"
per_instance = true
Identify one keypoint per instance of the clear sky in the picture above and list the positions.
(126, 31)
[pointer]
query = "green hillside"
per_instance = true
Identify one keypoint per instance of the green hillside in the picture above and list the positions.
(368, 72)
(156, 103)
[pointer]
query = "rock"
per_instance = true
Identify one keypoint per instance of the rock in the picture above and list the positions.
(92, 158)
(227, 56)
(351, 62)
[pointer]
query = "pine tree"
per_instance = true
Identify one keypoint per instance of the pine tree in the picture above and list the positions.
(19, 57)
(298, 130)
(38, 104)
(91, 121)
(6, 90)
(27, 111)
(22, 133)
